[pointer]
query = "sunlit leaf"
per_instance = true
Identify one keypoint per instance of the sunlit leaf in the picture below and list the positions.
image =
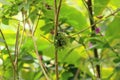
(27, 58)
(99, 6)
(73, 17)
(113, 28)
(66, 75)
(117, 60)
(115, 3)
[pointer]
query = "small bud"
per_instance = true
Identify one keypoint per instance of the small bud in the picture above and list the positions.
(48, 6)
(97, 30)
(52, 32)
(41, 58)
(99, 17)
(90, 45)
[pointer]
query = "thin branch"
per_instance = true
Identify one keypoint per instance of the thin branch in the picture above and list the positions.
(37, 20)
(16, 45)
(37, 53)
(55, 17)
(116, 11)
(6, 45)
(58, 10)
(46, 38)
(56, 29)
(40, 61)
(36, 24)
(16, 51)
(56, 21)
(22, 35)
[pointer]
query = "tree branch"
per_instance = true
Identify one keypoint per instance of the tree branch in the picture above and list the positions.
(56, 23)
(90, 11)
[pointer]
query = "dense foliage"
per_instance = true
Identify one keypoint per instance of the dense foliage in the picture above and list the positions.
(87, 40)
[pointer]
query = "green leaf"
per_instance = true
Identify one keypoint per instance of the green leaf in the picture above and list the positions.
(4, 2)
(48, 13)
(27, 58)
(106, 45)
(5, 21)
(7, 74)
(33, 15)
(73, 17)
(72, 39)
(49, 51)
(99, 6)
(117, 68)
(47, 28)
(9, 33)
(115, 3)
(27, 75)
(117, 60)
(37, 75)
(113, 29)
(66, 75)
(94, 39)
(1, 40)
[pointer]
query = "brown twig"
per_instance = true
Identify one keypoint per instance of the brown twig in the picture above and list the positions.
(90, 11)
(56, 20)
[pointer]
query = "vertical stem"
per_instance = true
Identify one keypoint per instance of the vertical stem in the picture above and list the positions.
(17, 51)
(55, 17)
(56, 51)
(56, 22)
(89, 4)
(56, 64)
